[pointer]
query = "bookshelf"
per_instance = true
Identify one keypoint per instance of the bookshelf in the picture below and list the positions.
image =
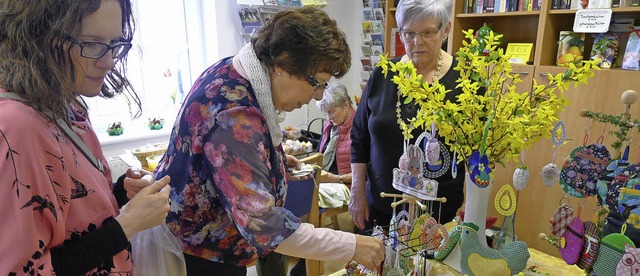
(542, 27)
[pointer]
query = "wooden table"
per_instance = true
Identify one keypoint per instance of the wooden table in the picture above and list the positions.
(539, 264)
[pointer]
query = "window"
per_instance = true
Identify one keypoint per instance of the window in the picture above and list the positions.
(167, 56)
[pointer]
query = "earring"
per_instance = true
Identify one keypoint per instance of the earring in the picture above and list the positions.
(279, 73)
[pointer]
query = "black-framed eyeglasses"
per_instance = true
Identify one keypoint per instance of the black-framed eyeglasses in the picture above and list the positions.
(429, 33)
(96, 50)
(315, 83)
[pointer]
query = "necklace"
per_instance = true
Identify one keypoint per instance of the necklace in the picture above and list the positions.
(408, 128)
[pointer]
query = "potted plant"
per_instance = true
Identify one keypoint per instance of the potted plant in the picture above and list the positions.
(115, 129)
(155, 124)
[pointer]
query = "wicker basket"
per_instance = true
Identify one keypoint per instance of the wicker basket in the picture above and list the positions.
(143, 152)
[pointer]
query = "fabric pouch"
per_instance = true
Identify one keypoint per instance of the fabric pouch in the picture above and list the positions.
(582, 169)
(614, 168)
(590, 245)
(454, 238)
(560, 219)
(572, 241)
(612, 248)
(629, 202)
(628, 178)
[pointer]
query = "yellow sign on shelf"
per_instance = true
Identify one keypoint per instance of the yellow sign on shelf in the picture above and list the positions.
(520, 52)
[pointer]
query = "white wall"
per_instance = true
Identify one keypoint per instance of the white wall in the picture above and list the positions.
(348, 15)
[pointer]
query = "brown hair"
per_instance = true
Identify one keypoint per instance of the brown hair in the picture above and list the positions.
(303, 42)
(34, 62)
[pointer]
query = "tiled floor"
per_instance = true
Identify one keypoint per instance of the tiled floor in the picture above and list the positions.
(329, 267)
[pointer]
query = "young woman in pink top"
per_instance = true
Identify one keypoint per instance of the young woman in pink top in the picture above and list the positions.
(59, 213)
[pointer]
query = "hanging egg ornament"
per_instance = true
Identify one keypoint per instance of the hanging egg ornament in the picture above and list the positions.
(433, 151)
(521, 177)
(550, 174)
(505, 201)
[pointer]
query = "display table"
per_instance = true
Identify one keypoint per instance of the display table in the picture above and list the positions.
(539, 264)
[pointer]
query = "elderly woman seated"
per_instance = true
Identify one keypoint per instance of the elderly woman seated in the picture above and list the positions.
(335, 146)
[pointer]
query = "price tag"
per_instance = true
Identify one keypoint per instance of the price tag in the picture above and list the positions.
(592, 21)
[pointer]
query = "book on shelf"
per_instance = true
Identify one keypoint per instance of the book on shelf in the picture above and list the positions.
(488, 5)
(519, 52)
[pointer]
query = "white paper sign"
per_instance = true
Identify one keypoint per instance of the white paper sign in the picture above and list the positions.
(592, 21)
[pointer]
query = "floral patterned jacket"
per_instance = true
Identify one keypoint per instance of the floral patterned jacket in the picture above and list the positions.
(227, 175)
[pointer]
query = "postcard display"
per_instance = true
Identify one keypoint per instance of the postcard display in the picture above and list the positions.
(255, 13)
(372, 36)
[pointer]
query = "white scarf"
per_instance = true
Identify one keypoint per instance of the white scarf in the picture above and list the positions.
(259, 79)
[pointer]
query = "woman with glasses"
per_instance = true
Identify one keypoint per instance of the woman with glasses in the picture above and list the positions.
(59, 212)
(376, 139)
(226, 161)
(336, 140)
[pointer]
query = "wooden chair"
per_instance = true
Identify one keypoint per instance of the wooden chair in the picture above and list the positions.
(302, 198)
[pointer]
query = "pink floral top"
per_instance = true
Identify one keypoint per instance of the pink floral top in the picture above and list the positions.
(51, 192)
(228, 177)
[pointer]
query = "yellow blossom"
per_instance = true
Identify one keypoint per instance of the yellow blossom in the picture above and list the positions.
(487, 83)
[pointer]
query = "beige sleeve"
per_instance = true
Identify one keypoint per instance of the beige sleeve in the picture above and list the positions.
(319, 244)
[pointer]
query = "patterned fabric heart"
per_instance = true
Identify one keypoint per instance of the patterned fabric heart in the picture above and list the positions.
(582, 169)
(560, 219)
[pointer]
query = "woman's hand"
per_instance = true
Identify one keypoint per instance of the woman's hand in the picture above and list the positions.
(359, 207)
(369, 252)
(148, 208)
(137, 179)
(292, 162)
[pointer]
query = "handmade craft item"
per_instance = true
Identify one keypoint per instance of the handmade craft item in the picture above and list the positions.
(481, 260)
(521, 177)
(629, 264)
(629, 202)
(454, 239)
(409, 176)
(432, 147)
(628, 178)
(582, 169)
(590, 246)
(614, 168)
(505, 201)
(550, 172)
(434, 236)
(571, 241)
(612, 248)
(561, 218)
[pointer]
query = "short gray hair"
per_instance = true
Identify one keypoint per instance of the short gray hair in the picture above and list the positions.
(334, 95)
(413, 10)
